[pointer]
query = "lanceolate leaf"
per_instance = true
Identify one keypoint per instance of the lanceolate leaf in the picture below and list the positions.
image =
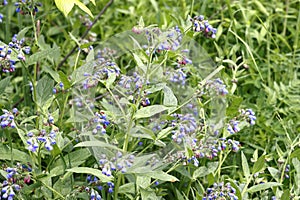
(262, 186)
(87, 170)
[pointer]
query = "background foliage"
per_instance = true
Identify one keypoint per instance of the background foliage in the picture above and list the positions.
(257, 42)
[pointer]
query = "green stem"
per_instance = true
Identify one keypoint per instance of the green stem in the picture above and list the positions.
(119, 177)
(10, 146)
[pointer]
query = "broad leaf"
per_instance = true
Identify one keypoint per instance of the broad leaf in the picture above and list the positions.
(149, 111)
(169, 97)
(44, 89)
(259, 164)
(65, 6)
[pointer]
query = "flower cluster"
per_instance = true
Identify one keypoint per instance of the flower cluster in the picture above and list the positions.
(162, 41)
(249, 115)
(185, 125)
(102, 70)
(246, 115)
(7, 62)
(214, 87)
(132, 83)
(15, 178)
(26, 6)
(206, 148)
(41, 138)
(220, 191)
(99, 123)
(80, 102)
(118, 163)
(203, 26)
(7, 118)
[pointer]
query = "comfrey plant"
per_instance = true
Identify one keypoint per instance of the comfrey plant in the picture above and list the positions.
(155, 106)
(11, 53)
(141, 113)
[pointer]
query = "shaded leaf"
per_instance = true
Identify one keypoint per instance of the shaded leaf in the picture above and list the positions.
(4, 83)
(259, 164)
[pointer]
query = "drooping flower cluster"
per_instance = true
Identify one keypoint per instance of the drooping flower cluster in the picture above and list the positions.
(220, 191)
(203, 26)
(214, 87)
(185, 125)
(7, 118)
(245, 115)
(15, 179)
(99, 123)
(101, 71)
(80, 102)
(7, 60)
(26, 6)
(41, 138)
(119, 162)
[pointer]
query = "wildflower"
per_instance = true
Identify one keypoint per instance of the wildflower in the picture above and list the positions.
(7, 118)
(42, 138)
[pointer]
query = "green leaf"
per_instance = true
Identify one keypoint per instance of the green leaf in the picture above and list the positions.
(296, 164)
(87, 170)
(140, 63)
(148, 194)
(65, 6)
(285, 195)
(295, 154)
(64, 79)
(204, 171)
(44, 89)
(4, 83)
(149, 111)
(274, 173)
(169, 97)
(245, 166)
(91, 55)
(262, 186)
(261, 7)
(16, 154)
(164, 133)
(143, 181)
(97, 144)
(200, 172)
(259, 164)
(127, 188)
(38, 56)
(160, 175)
(52, 73)
(22, 33)
(83, 7)
(93, 1)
